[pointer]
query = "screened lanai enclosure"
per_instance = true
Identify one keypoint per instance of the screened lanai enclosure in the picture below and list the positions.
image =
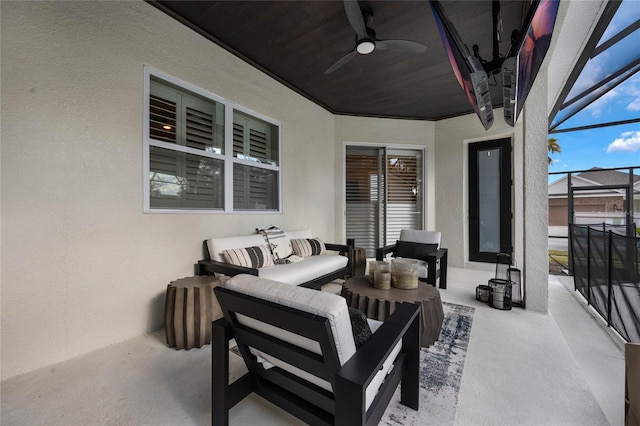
(606, 270)
(600, 208)
(604, 241)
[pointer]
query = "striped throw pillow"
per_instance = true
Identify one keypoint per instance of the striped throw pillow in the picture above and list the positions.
(249, 257)
(306, 247)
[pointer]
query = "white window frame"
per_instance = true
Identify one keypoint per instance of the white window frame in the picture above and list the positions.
(228, 158)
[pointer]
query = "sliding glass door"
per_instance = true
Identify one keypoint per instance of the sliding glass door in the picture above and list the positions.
(384, 194)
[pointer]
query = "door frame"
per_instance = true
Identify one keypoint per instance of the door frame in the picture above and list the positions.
(506, 206)
(385, 146)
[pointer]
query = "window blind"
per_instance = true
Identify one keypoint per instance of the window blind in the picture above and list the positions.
(404, 193)
(383, 195)
(365, 197)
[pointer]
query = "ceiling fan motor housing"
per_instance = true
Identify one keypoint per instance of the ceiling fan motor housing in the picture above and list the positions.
(364, 46)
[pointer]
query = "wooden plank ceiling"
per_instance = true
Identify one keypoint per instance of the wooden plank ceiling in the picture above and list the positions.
(296, 41)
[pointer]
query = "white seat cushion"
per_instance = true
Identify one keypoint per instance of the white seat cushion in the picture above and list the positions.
(378, 379)
(328, 305)
(423, 270)
(217, 245)
(300, 272)
(299, 233)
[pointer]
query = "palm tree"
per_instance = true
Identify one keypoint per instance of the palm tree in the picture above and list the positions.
(553, 147)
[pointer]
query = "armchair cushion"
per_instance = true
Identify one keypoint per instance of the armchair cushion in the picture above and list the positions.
(431, 268)
(419, 236)
(423, 269)
(328, 305)
(414, 250)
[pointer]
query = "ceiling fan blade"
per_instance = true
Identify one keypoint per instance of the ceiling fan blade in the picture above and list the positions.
(401, 46)
(341, 62)
(354, 15)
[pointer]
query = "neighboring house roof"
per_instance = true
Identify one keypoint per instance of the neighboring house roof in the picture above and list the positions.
(608, 177)
(593, 177)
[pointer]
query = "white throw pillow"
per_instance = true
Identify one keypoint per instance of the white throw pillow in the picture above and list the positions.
(278, 242)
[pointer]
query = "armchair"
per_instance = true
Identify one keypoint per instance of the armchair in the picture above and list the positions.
(299, 350)
(423, 246)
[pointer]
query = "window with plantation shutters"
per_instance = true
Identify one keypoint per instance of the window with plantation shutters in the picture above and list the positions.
(181, 179)
(189, 164)
(254, 185)
(383, 194)
(252, 139)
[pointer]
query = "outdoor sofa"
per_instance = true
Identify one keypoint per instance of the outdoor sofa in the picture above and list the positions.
(311, 271)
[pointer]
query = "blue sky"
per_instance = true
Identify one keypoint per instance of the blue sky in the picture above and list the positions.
(614, 146)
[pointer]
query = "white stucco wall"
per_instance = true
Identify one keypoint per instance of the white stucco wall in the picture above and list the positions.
(529, 191)
(453, 137)
(536, 204)
(376, 131)
(452, 208)
(82, 266)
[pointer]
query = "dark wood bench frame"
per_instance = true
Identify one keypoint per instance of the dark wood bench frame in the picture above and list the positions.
(308, 402)
(210, 267)
(436, 264)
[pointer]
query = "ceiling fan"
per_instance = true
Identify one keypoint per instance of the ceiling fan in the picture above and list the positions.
(366, 41)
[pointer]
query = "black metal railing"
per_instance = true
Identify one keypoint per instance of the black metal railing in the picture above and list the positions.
(606, 271)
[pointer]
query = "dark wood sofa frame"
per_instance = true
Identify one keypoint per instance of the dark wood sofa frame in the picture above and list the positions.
(308, 402)
(210, 267)
(436, 264)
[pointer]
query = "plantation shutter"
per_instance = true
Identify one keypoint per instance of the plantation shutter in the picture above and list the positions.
(238, 139)
(163, 113)
(199, 124)
(251, 139)
(199, 132)
(179, 179)
(164, 184)
(253, 188)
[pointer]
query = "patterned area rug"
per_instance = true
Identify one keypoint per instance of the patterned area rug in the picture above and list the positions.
(441, 368)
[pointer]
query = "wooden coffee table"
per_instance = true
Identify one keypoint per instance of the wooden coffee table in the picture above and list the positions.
(380, 304)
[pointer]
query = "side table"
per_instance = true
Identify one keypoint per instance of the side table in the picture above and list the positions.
(189, 309)
(380, 304)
